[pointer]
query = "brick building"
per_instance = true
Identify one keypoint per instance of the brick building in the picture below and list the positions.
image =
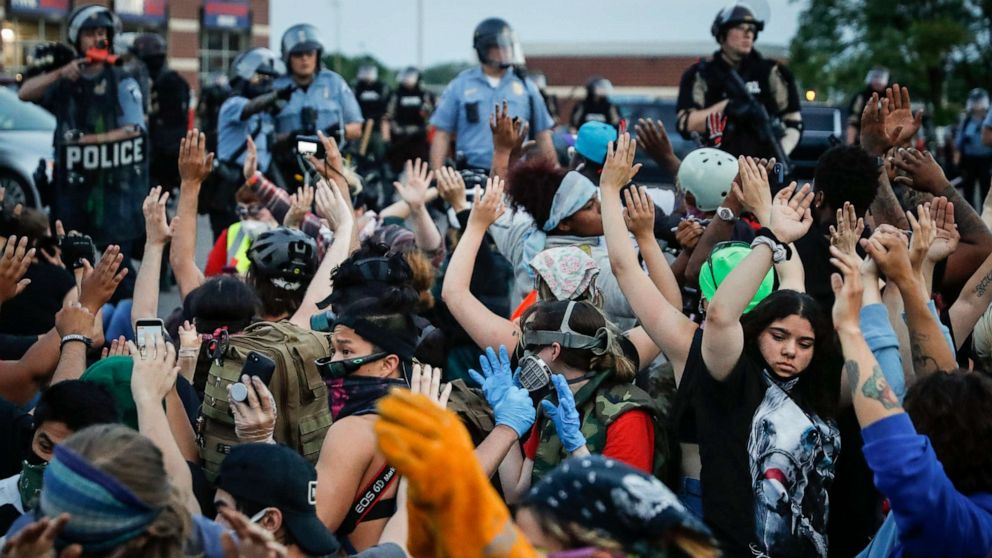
(635, 68)
(203, 35)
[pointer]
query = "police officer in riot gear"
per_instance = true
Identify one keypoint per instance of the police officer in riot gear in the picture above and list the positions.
(373, 95)
(596, 107)
(101, 177)
(739, 112)
(407, 112)
(320, 99)
(248, 112)
(168, 109)
(876, 81)
(470, 98)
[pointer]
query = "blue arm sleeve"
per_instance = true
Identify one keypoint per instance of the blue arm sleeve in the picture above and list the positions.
(351, 112)
(934, 519)
(943, 328)
(129, 97)
(445, 116)
(884, 345)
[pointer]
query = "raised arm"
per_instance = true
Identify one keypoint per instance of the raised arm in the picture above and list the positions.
(639, 216)
(195, 165)
(486, 328)
(508, 133)
(652, 136)
(157, 234)
(664, 323)
(338, 214)
(414, 192)
(789, 219)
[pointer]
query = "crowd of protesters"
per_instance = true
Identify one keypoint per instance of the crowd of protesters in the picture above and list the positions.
(517, 357)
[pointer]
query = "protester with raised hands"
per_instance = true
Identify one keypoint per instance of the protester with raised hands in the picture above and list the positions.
(931, 461)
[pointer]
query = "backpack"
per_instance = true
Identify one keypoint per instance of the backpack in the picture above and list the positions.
(304, 414)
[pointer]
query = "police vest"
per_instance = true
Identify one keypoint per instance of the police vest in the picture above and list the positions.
(238, 243)
(99, 187)
(411, 108)
(372, 98)
(600, 403)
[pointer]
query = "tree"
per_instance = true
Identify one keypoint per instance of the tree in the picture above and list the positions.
(939, 48)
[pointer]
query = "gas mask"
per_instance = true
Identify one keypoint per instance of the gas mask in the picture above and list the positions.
(535, 374)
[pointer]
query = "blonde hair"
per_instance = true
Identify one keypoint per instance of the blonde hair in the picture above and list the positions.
(137, 463)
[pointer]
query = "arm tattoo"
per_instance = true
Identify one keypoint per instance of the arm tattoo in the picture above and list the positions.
(853, 376)
(922, 362)
(875, 387)
(969, 223)
(983, 285)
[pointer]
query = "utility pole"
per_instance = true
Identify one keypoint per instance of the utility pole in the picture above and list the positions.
(420, 34)
(336, 6)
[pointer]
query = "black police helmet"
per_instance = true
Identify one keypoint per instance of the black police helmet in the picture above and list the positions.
(148, 45)
(92, 17)
(732, 15)
(283, 254)
(492, 32)
(301, 37)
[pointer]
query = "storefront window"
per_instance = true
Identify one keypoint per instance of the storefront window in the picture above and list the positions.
(220, 47)
(20, 37)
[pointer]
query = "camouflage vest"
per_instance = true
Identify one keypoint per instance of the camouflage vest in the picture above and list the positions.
(600, 402)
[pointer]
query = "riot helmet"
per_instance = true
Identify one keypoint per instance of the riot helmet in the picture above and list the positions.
(368, 72)
(732, 15)
(978, 99)
(409, 77)
(285, 257)
(261, 61)
(92, 17)
(124, 43)
(497, 33)
(599, 87)
(877, 78)
(148, 45)
(302, 37)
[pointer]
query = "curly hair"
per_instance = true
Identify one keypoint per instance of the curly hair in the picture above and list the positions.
(954, 410)
(351, 279)
(586, 319)
(847, 173)
(532, 184)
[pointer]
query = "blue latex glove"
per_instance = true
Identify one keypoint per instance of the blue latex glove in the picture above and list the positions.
(516, 410)
(565, 415)
(496, 378)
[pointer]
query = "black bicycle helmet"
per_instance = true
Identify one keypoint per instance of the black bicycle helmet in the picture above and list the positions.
(286, 257)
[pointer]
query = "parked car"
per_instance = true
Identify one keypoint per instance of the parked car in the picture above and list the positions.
(25, 144)
(822, 128)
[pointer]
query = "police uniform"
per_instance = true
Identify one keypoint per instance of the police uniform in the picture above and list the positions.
(372, 98)
(328, 95)
(407, 111)
(468, 101)
(595, 110)
(168, 115)
(232, 131)
(769, 82)
(99, 188)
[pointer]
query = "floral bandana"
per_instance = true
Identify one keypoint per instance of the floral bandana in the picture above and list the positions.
(567, 270)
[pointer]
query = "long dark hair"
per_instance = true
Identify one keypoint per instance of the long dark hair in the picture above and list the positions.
(819, 385)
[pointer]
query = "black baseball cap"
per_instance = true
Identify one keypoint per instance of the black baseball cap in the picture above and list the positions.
(276, 476)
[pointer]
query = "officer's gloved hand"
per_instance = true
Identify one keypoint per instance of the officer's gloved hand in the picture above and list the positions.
(565, 415)
(285, 92)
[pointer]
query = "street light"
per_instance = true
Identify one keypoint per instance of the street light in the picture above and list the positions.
(810, 95)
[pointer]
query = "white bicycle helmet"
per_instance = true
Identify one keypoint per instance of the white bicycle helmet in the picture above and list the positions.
(707, 174)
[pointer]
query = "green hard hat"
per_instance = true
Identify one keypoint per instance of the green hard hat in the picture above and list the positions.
(723, 259)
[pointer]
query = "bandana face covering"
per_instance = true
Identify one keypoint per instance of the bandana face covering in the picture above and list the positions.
(358, 395)
(29, 484)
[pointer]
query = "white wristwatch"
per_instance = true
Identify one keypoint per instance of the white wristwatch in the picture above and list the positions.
(726, 214)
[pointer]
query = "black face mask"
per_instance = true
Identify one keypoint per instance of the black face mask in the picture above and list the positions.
(341, 368)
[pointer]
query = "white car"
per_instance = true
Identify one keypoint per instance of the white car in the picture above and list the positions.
(26, 133)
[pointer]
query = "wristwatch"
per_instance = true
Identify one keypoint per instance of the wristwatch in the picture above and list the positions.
(726, 214)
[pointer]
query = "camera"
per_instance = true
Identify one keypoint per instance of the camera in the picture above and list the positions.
(75, 249)
(310, 145)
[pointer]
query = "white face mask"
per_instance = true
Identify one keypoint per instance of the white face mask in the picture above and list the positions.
(254, 228)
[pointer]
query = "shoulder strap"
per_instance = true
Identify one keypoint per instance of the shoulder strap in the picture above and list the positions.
(368, 499)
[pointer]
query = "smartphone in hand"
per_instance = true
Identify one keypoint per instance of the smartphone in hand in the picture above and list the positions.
(145, 332)
(257, 364)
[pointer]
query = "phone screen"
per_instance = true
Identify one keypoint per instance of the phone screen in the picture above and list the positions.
(306, 147)
(145, 332)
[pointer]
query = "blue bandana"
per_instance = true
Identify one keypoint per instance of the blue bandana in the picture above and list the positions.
(103, 512)
(574, 192)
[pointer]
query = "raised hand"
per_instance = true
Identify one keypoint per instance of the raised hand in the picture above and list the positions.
(790, 217)
(925, 174)
(255, 417)
(37, 540)
(251, 159)
(99, 283)
(333, 163)
(157, 230)
(639, 214)
(565, 416)
(890, 253)
(901, 123)
(73, 319)
(847, 291)
(299, 205)
(118, 347)
(753, 190)
(848, 231)
(511, 404)
(508, 131)
(651, 135)
(414, 189)
(195, 163)
(489, 206)
(619, 168)
(332, 207)
(947, 235)
(451, 188)
(154, 373)
(253, 541)
(426, 380)
(923, 236)
(14, 263)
